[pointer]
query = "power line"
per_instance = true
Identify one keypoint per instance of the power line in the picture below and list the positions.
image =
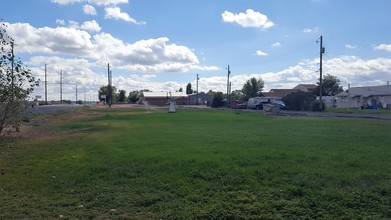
(288, 53)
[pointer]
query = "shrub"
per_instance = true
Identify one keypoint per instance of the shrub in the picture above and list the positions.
(316, 106)
(218, 100)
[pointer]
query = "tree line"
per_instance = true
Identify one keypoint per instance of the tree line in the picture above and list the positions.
(253, 87)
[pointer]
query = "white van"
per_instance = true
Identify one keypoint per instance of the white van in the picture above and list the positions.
(256, 102)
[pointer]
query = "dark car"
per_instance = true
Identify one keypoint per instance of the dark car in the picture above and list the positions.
(260, 105)
(280, 104)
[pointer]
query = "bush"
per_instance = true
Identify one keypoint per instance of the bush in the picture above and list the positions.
(217, 100)
(299, 101)
(316, 106)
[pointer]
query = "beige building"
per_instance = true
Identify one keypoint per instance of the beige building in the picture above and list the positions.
(365, 97)
(163, 98)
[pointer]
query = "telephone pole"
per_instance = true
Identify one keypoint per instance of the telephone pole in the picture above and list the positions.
(84, 96)
(110, 99)
(61, 86)
(12, 70)
(197, 88)
(322, 50)
(229, 96)
(46, 85)
(229, 72)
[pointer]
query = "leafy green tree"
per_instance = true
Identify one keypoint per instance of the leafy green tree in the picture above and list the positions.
(16, 83)
(134, 96)
(217, 100)
(189, 91)
(180, 89)
(237, 95)
(210, 93)
(330, 85)
(122, 96)
(299, 101)
(104, 90)
(252, 88)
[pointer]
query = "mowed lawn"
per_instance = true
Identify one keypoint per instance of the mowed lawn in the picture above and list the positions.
(197, 164)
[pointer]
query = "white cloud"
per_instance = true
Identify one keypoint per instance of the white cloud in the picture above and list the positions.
(73, 24)
(60, 22)
(309, 30)
(116, 14)
(60, 40)
(386, 47)
(89, 10)
(91, 26)
(151, 55)
(349, 46)
(260, 53)
(248, 19)
(276, 44)
(95, 2)
(349, 69)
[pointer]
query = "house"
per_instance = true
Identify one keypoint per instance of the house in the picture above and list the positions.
(329, 101)
(203, 99)
(365, 97)
(278, 93)
(163, 98)
(306, 87)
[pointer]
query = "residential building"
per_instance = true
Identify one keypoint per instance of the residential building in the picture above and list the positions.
(163, 98)
(278, 94)
(306, 87)
(203, 99)
(365, 97)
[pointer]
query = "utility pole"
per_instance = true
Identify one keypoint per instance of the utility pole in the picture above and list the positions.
(229, 96)
(12, 70)
(197, 88)
(84, 96)
(229, 72)
(46, 86)
(61, 86)
(322, 50)
(76, 93)
(110, 99)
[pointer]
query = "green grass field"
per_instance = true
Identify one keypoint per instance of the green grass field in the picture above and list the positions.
(198, 164)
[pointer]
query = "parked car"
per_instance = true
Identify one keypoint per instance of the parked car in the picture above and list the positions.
(260, 105)
(280, 104)
(239, 106)
(256, 102)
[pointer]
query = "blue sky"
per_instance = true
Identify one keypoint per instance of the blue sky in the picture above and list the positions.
(162, 44)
